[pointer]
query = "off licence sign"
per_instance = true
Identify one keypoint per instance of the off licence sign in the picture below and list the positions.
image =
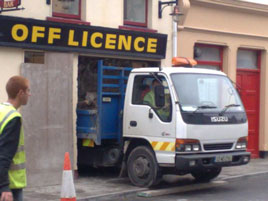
(47, 35)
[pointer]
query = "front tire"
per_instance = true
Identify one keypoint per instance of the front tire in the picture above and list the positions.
(206, 175)
(142, 167)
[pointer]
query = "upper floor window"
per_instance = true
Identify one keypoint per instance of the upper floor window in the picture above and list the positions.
(135, 12)
(66, 8)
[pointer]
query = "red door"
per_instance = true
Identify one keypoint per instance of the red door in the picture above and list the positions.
(248, 82)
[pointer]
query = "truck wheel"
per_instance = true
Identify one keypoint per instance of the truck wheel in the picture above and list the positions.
(142, 167)
(206, 175)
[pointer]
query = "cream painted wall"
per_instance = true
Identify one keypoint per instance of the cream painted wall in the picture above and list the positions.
(228, 19)
(105, 13)
(11, 60)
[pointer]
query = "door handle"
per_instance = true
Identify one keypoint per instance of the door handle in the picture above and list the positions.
(133, 123)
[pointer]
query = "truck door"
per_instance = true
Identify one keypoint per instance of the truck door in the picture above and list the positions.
(144, 120)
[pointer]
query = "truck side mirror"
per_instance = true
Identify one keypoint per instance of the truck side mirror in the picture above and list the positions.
(159, 96)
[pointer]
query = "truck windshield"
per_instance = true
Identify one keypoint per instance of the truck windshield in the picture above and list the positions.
(206, 92)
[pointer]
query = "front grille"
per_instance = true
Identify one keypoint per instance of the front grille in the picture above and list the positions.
(222, 146)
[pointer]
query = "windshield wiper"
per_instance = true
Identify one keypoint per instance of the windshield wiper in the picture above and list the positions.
(204, 107)
(226, 108)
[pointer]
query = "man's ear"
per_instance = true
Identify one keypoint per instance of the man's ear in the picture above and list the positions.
(20, 92)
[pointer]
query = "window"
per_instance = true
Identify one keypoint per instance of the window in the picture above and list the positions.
(135, 12)
(213, 92)
(143, 94)
(34, 57)
(67, 8)
(208, 56)
(248, 59)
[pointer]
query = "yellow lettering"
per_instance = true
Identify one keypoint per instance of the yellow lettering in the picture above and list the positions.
(84, 40)
(137, 47)
(54, 33)
(122, 41)
(23, 29)
(38, 32)
(71, 39)
(110, 41)
(152, 44)
(93, 39)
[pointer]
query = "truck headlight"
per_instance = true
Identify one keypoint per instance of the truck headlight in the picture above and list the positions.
(187, 145)
(242, 143)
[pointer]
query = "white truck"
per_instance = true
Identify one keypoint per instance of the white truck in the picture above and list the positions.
(171, 120)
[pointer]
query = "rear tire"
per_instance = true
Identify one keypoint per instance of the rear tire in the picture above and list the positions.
(142, 167)
(206, 175)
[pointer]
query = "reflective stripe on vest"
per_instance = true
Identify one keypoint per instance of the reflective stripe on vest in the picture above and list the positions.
(7, 115)
(17, 171)
(17, 166)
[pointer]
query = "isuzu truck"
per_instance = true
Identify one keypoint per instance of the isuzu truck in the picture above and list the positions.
(154, 121)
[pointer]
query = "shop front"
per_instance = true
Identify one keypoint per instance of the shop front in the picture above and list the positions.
(60, 62)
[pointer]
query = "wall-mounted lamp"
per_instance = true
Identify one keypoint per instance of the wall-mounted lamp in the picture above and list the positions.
(176, 14)
(166, 3)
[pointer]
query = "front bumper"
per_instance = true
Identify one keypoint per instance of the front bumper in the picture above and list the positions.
(188, 163)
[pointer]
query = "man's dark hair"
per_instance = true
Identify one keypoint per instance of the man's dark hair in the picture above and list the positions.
(14, 85)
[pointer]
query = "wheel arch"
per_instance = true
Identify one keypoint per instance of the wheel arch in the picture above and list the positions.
(135, 142)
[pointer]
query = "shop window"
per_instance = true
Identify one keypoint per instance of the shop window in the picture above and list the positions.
(135, 12)
(34, 57)
(208, 56)
(66, 8)
(247, 59)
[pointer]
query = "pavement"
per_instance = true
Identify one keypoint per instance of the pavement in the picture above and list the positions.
(102, 184)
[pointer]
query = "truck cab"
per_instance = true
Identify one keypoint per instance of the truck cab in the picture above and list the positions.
(200, 128)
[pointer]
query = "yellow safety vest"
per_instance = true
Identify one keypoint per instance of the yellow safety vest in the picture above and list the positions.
(17, 170)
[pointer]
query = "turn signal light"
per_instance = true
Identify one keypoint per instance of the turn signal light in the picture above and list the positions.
(187, 145)
(242, 143)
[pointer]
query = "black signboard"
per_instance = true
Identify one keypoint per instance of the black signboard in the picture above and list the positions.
(46, 35)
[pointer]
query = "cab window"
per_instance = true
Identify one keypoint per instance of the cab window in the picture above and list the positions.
(143, 94)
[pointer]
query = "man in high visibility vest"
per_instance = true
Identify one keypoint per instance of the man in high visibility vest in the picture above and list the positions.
(149, 99)
(12, 155)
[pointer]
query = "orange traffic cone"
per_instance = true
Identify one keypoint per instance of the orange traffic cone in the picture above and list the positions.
(67, 187)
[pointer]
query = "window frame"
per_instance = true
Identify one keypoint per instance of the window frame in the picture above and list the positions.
(214, 63)
(68, 16)
(139, 24)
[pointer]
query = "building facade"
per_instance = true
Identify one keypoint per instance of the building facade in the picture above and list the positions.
(55, 44)
(230, 35)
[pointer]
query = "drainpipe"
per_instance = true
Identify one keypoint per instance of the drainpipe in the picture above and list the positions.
(174, 36)
(174, 42)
